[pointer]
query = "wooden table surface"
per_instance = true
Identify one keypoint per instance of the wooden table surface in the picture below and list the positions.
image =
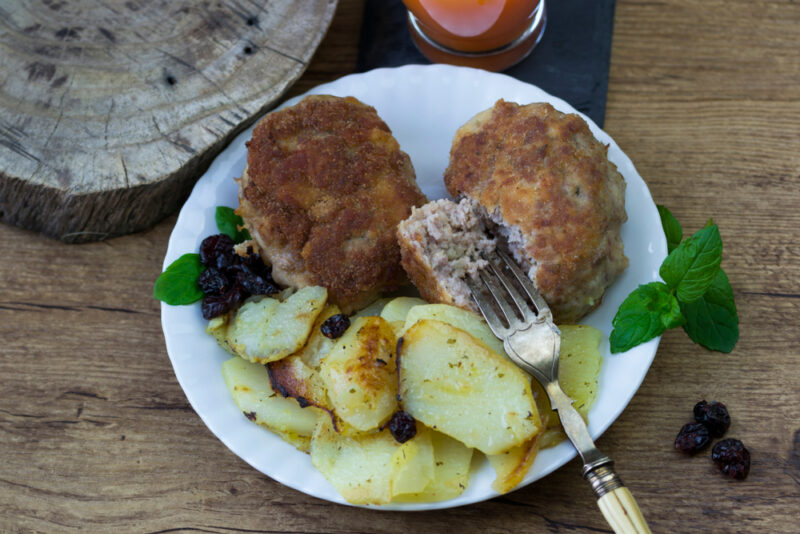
(97, 436)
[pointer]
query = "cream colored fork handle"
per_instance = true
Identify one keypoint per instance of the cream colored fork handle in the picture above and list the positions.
(615, 500)
(622, 513)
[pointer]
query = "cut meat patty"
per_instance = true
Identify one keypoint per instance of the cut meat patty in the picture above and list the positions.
(547, 186)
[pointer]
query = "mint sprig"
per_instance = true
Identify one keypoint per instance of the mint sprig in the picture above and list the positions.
(692, 266)
(229, 223)
(672, 228)
(644, 314)
(712, 320)
(177, 285)
(695, 294)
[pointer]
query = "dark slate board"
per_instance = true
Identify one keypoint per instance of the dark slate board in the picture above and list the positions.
(570, 62)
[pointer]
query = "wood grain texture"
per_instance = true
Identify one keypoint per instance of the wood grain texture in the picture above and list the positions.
(97, 436)
(110, 111)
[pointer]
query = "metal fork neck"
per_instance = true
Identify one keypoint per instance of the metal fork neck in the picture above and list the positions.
(574, 426)
(543, 365)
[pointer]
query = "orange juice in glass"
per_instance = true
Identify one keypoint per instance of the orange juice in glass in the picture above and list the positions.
(488, 34)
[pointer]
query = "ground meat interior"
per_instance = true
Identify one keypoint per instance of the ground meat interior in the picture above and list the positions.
(511, 239)
(453, 238)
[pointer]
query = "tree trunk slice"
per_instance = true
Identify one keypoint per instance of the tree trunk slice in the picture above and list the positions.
(111, 110)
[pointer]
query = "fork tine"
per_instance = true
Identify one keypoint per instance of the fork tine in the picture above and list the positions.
(527, 285)
(528, 314)
(501, 296)
(492, 319)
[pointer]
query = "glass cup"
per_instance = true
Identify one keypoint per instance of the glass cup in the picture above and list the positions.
(486, 34)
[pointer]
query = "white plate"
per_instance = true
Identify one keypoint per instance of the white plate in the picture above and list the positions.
(423, 105)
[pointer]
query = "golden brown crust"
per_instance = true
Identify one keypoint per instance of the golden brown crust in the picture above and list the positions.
(324, 188)
(545, 174)
(287, 380)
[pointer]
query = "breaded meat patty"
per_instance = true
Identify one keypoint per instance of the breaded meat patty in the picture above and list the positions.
(548, 187)
(323, 190)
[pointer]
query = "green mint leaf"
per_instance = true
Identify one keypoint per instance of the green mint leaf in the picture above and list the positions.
(672, 228)
(228, 223)
(712, 320)
(644, 314)
(177, 285)
(692, 266)
(672, 317)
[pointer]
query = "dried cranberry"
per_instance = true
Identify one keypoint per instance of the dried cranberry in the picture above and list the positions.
(692, 438)
(402, 426)
(216, 305)
(256, 265)
(335, 325)
(714, 416)
(254, 284)
(732, 458)
(217, 251)
(213, 282)
(253, 275)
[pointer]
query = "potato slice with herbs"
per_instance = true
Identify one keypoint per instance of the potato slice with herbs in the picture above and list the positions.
(451, 463)
(360, 374)
(249, 385)
(413, 464)
(579, 365)
(318, 345)
(467, 321)
(266, 330)
(453, 383)
(578, 368)
(551, 433)
(397, 308)
(512, 465)
(358, 466)
(398, 327)
(292, 378)
(218, 329)
(373, 310)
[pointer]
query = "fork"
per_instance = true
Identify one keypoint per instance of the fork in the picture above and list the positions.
(533, 341)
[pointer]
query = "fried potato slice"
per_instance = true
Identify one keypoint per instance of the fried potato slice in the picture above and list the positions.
(397, 308)
(578, 369)
(358, 466)
(360, 374)
(318, 345)
(451, 463)
(371, 467)
(454, 383)
(249, 385)
(218, 329)
(512, 465)
(266, 330)
(579, 365)
(292, 378)
(245, 331)
(373, 310)
(467, 321)
(552, 433)
(413, 464)
(398, 327)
